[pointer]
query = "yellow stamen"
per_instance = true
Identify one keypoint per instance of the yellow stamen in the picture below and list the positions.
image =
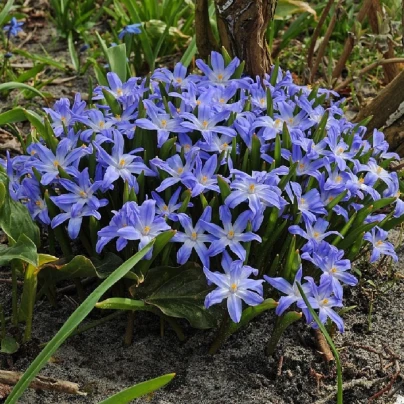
(204, 179)
(333, 270)
(56, 163)
(325, 301)
(205, 124)
(220, 77)
(83, 194)
(194, 235)
(233, 287)
(101, 124)
(165, 208)
(119, 91)
(163, 123)
(146, 230)
(316, 234)
(251, 188)
(230, 234)
(122, 162)
(180, 170)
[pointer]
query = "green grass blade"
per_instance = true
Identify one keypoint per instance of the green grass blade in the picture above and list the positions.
(13, 85)
(6, 9)
(72, 322)
(73, 52)
(329, 341)
(139, 390)
(189, 53)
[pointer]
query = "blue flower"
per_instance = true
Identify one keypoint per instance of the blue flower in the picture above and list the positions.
(232, 234)
(193, 238)
(168, 209)
(120, 165)
(74, 214)
(235, 287)
(146, 225)
(309, 204)
(48, 163)
(36, 204)
(203, 178)
(218, 74)
(377, 238)
(13, 28)
(122, 218)
(330, 260)
(175, 167)
(160, 122)
(131, 29)
(206, 122)
(321, 298)
(252, 188)
(291, 291)
(314, 233)
(81, 193)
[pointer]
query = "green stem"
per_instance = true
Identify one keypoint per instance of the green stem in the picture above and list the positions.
(221, 336)
(130, 326)
(14, 291)
(2, 323)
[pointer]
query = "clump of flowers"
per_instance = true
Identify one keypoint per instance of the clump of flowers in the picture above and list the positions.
(265, 183)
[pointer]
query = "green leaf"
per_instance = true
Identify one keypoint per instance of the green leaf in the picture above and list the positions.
(178, 292)
(121, 303)
(9, 345)
(72, 322)
(5, 11)
(73, 52)
(24, 249)
(139, 390)
(15, 219)
(282, 323)
(14, 85)
(287, 8)
(329, 341)
(20, 115)
(78, 267)
(117, 60)
(190, 53)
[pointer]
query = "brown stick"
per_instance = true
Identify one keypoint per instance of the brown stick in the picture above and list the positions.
(42, 383)
(349, 43)
(323, 346)
(324, 43)
(205, 40)
(376, 11)
(316, 32)
(367, 69)
(386, 107)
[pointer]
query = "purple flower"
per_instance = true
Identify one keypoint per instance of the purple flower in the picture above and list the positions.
(330, 260)
(146, 225)
(203, 178)
(193, 238)
(48, 163)
(251, 188)
(291, 291)
(235, 287)
(206, 122)
(377, 238)
(218, 74)
(309, 204)
(320, 298)
(74, 214)
(36, 204)
(13, 28)
(131, 29)
(81, 193)
(122, 218)
(168, 210)
(175, 167)
(232, 234)
(314, 233)
(120, 165)
(160, 122)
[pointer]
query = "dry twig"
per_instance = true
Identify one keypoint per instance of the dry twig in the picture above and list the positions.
(41, 383)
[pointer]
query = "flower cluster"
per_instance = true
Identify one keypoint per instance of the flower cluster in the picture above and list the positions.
(257, 177)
